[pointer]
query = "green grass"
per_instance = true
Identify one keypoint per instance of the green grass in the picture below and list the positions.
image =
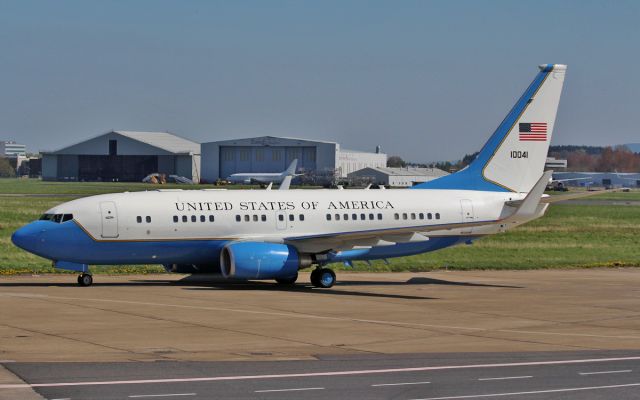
(569, 236)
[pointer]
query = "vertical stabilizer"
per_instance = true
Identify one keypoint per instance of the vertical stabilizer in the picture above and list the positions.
(513, 158)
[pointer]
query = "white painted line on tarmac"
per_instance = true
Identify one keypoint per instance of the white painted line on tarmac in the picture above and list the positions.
(288, 390)
(400, 384)
(139, 396)
(622, 371)
(505, 378)
(477, 396)
(323, 317)
(314, 374)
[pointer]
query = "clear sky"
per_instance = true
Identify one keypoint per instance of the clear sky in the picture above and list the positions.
(427, 80)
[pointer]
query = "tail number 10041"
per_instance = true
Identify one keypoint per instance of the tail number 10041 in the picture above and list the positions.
(519, 154)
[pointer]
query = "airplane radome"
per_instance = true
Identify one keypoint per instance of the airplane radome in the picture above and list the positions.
(271, 234)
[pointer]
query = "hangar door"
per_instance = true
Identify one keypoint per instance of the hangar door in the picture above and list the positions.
(250, 159)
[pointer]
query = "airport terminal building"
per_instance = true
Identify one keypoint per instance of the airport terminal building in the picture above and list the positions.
(322, 159)
(125, 156)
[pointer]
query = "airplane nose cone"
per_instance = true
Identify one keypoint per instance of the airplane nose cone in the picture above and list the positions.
(26, 237)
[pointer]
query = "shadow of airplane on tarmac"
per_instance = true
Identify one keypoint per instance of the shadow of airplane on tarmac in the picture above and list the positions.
(215, 282)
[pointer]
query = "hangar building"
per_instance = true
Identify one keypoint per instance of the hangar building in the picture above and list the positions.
(273, 154)
(397, 177)
(123, 156)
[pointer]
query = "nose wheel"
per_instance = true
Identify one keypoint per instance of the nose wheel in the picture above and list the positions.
(85, 279)
(323, 278)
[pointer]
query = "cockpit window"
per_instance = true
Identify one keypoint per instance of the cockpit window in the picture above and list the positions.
(57, 218)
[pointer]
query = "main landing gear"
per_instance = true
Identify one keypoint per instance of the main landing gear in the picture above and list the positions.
(323, 278)
(85, 279)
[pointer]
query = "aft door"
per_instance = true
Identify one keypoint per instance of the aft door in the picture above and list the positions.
(109, 219)
(466, 209)
(281, 220)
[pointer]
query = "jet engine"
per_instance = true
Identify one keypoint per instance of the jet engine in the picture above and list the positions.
(257, 260)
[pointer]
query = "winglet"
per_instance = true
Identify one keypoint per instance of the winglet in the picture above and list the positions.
(286, 182)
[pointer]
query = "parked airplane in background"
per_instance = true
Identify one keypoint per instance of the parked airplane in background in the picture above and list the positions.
(271, 234)
(264, 177)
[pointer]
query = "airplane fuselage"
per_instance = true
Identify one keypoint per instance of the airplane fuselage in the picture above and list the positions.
(191, 226)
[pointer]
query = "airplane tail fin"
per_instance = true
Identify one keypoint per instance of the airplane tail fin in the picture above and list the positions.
(291, 169)
(513, 158)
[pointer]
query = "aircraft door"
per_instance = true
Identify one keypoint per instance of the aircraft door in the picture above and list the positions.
(281, 220)
(466, 209)
(109, 219)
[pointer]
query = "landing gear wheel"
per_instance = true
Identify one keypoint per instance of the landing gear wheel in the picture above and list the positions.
(289, 280)
(85, 280)
(323, 278)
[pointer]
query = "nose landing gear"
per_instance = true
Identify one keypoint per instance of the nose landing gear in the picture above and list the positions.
(323, 278)
(85, 279)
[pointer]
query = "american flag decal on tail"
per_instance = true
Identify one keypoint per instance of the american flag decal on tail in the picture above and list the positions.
(533, 131)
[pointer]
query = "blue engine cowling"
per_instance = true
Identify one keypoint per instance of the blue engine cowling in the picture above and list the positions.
(257, 260)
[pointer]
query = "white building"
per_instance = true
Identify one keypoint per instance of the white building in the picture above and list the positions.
(123, 156)
(397, 177)
(12, 149)
(273, 154)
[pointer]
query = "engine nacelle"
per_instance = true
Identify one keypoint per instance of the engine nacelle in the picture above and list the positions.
(257, 260)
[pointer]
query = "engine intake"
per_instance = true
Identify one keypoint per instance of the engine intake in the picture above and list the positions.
(257, 260)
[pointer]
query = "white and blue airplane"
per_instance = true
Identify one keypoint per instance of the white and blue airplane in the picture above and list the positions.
(271, 234)
(265, 177)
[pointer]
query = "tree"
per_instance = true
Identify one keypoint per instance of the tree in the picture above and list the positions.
(6, 170)
(396, 162)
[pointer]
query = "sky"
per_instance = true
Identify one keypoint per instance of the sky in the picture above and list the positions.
(426, 80)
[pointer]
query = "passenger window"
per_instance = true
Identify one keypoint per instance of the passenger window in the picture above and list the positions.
(328, 217)
(413, 215)
(203, 218)
(175, 218)
(301, 216)
(184, 218)
(263, 217)
(280, 217)
(363, 217)
(238, 218)
(139, 219)
(291, 217)
(421, 215)
(437, 215)
(429, 216)
(193, 218)
(246, 218)
(345, 217)
(354, 216)
(371, 216)
(396, 216)
(148, 219)
(337, 217)
(255, 218)
(380, 216)
(404, 215)
(211, 219)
